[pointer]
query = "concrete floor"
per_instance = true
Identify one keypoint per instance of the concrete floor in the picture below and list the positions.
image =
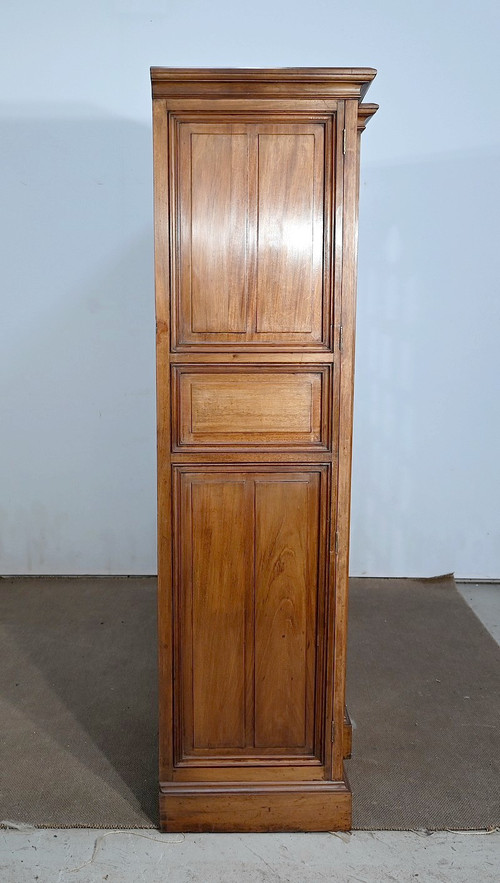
(85, 856)
(144, 857)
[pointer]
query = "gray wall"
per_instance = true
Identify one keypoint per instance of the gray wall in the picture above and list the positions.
(77, 428)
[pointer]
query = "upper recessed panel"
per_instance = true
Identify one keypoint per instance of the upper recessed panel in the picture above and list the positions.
(250, 257)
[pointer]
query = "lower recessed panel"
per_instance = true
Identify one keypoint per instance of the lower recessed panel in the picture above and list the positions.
(249, 613)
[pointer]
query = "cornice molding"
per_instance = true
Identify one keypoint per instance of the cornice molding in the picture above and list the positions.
(343, 82)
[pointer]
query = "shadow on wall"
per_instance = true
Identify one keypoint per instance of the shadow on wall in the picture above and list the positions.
(425, 473)
(77, 355)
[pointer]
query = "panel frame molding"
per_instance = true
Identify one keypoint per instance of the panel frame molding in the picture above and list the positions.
(229, 763)
(180, 343)
(181, 442)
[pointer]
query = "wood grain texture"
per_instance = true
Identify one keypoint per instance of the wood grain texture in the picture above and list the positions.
(313, 807)
(222, 407)
(214, 204)
(290, 82)
(262, 358)
(256, 193)
(216, 534)
(286, 585)
(290, 231)
(341, 506)
(245, 626)
(248, 233)
(365, 113)
(164, 528)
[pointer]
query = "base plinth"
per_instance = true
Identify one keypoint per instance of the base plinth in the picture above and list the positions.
(257, 807)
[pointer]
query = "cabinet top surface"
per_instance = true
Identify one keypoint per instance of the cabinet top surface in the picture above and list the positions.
(279, 73)
(325, 80)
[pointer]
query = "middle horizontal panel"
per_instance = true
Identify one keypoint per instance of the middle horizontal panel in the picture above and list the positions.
(251, 406)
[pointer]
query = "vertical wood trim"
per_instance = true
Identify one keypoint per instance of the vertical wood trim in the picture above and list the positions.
(336, 245)
(183, 616)
(348, 316)
(329, 226)
(253, 227)
(170, 159)
(322, 650)
(337, 197)
(250, 613)
(162, 286)
(314, 501)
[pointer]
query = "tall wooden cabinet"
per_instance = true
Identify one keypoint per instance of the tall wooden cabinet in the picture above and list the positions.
(256, 188)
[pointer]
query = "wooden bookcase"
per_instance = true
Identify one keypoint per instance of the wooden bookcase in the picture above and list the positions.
(256, 191)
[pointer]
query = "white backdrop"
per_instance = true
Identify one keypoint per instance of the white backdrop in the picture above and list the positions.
(77, 430)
